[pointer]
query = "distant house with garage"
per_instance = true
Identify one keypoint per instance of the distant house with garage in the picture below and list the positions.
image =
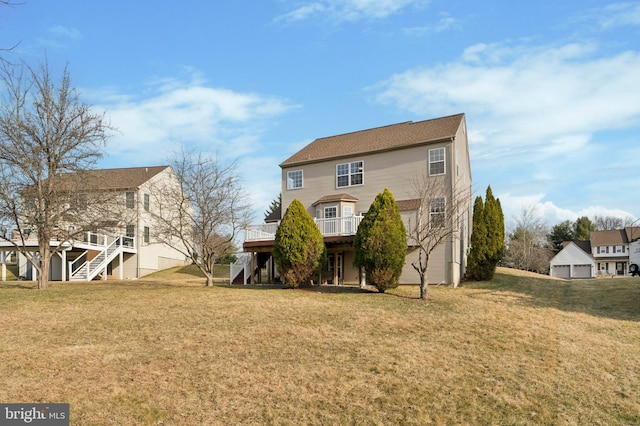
(607, 253)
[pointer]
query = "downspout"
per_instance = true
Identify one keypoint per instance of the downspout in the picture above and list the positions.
(138, 230)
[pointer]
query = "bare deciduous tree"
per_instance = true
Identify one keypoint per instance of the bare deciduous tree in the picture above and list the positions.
(47, 138)
(527, 246)
(606, 223)
(8, 3)
(202, 217)
(437, 221)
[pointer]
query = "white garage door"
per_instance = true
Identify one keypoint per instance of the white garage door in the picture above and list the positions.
(581, 271)
(561, 271)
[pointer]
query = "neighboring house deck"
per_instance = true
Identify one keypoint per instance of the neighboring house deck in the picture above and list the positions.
(607, 253)
(337, 178)
(127, 251)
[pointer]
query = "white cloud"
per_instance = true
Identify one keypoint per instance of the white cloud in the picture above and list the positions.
(548, 212)
(66, 32)
(348, 10)
(263, 180)
(614, 15)
(538, 118)
(59, 37)
(303, 12)
(226, 121)
(218, 121)
(445, 23)
(536, 98)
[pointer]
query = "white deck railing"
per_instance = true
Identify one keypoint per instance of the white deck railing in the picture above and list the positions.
(328, 227)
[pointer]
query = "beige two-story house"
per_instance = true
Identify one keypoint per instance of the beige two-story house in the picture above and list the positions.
(337, 178)
(122, 244)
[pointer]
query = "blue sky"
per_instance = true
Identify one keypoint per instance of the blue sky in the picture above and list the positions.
(551, 89)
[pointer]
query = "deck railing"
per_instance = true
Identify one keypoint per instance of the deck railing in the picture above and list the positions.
(329, 227)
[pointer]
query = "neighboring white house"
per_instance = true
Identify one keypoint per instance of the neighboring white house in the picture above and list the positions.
(611, 252)
(128, 250)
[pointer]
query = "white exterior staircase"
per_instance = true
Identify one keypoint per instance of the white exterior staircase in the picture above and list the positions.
(241, 265)
(87, 271)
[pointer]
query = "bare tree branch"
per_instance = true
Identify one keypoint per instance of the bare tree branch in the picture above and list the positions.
(48, 137)
(437, 220)
(202, 217)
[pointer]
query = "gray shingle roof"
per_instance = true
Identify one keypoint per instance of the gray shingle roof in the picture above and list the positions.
(384, 138)
(584, 245)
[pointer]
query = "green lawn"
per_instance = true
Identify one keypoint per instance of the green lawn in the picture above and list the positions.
(516, 350)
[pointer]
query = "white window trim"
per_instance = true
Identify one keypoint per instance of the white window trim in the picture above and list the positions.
(350, 174)
(291, 188)
(433, 213)
(324, 212)
(133, 199)
(444, 161)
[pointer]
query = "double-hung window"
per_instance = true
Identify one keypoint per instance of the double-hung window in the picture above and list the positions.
(436, 212)
(350, 174)
(130, 196)
(436, 161)
(294, 179)
(146, 234)
(146, 202)
(330, 215)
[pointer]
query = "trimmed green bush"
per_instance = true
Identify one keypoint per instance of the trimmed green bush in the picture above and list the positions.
(381, 243)
(299, 249)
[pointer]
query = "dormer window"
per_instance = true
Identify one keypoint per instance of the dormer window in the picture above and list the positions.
(350, 174)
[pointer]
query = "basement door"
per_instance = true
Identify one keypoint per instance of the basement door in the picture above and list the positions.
(335, 265)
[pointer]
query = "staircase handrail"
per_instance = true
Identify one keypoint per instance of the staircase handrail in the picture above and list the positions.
(241, 264)
(105, 256)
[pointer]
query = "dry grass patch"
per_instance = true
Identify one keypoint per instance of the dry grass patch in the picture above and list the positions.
(517, 350)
